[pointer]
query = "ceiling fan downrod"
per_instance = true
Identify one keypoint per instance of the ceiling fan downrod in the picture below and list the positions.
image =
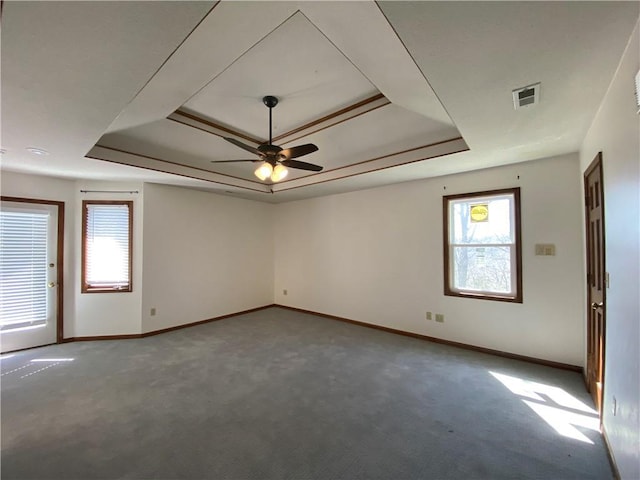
(270, 101)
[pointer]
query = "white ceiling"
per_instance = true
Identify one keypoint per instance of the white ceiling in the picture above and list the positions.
(388, 91)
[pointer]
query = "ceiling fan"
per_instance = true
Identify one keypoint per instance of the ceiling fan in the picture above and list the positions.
(275, 159)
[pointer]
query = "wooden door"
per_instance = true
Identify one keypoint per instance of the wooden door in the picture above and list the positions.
(596, 280)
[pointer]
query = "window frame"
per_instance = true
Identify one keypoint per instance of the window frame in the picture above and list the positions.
(85, 287)
(517, 297)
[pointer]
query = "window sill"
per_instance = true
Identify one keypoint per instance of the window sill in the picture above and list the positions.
(106, 289)
(480, 296)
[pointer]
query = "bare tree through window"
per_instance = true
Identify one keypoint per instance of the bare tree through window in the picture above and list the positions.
(482, 251)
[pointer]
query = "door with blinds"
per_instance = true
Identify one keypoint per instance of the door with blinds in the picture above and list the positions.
(29, 284)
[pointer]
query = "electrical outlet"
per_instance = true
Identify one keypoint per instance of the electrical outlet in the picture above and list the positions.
(428, 315)
(152, 312)
(440, 317)
(285, 292)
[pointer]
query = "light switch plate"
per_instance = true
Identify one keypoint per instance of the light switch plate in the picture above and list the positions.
(545, 249)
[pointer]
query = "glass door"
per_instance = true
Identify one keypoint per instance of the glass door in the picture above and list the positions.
(28, 274)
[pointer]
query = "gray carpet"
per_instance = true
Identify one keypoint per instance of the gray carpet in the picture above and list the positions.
(277, 394)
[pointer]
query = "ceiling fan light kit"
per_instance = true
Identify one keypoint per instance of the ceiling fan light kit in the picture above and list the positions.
(264, 171)
(279, 172)
(275, 160)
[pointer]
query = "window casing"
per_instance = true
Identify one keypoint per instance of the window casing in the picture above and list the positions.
(482, 245)
(107, 238)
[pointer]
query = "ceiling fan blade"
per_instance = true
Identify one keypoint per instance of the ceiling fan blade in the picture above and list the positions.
(299, 151)
(238, 143)
(301, 165)
(233, 161)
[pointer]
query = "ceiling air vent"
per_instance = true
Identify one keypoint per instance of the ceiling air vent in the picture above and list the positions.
(526, 96)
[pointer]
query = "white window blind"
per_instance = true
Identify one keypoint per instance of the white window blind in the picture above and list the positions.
(107, 236)
(23, 269)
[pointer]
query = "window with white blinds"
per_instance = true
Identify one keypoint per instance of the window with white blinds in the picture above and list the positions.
(23, 269)
(106, 246)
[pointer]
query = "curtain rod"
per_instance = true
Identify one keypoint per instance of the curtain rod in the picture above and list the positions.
(109, 191)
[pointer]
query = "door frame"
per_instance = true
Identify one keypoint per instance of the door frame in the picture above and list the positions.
(59, 258)
(595, 163)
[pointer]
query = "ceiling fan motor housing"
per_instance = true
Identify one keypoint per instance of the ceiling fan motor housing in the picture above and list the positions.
(271, 153)
(270, 101)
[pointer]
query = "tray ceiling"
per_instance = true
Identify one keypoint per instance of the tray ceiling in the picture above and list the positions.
(388, 91)
(294, 62)
(327, 96)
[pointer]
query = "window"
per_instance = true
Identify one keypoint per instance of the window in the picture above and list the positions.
(106, 246)
(482, 254)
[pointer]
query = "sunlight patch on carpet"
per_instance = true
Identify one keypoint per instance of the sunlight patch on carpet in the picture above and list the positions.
(561, 410)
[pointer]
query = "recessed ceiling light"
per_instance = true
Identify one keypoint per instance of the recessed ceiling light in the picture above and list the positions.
(37, 151)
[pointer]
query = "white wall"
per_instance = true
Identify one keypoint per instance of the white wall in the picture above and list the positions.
(86, 314)
(205, 255)
(196, 255)
(616, 133)
(110, 313)
(376, 256)
(47, 188)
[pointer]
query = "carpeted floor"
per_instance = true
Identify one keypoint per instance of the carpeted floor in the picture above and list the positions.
(277, 394)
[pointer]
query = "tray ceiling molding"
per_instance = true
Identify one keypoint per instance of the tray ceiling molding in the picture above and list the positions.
(165, 166)
(418, 154)
(348, 113)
